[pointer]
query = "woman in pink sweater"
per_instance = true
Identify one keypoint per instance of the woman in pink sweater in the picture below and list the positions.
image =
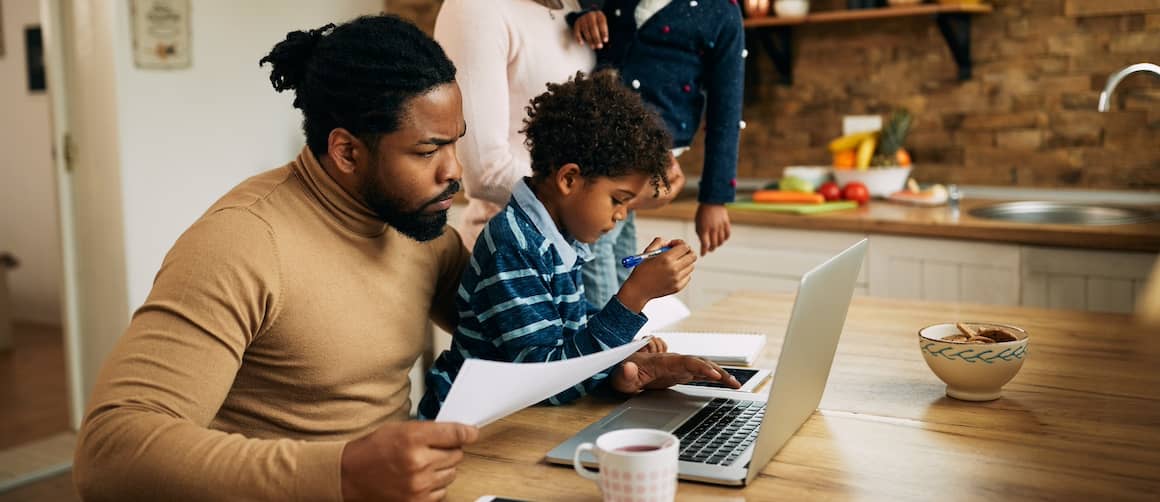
(506, 51)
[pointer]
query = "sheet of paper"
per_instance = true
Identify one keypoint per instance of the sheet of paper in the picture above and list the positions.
(722, 348)
(486, 391)
(663, 312)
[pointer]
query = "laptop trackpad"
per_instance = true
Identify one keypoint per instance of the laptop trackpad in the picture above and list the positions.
(646, 418)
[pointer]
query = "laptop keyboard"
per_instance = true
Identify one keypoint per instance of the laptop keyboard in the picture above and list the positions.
(720, 432)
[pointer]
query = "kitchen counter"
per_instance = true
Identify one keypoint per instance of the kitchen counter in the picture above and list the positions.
(881, 217)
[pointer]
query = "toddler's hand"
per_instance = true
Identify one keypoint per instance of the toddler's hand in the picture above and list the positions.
(712, 225)
(591, 30)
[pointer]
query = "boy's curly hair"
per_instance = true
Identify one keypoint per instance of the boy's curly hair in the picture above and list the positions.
(599, 124)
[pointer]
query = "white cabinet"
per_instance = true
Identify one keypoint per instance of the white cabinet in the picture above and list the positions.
(944, 270)
(1103, 281)
(761, 258)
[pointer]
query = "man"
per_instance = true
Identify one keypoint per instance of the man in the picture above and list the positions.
(270, 360)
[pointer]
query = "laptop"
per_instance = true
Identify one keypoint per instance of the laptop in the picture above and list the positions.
(727, 436)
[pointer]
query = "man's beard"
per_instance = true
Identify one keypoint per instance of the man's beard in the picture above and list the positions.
(416, 224)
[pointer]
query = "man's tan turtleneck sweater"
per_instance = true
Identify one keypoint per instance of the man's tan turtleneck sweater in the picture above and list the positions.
(281, 324)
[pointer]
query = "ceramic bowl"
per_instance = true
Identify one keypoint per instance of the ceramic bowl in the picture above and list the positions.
(791, 8)
(879, 181)
(815, 175)
(972, 372)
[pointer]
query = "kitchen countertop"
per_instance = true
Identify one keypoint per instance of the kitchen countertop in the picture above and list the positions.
(881, 217)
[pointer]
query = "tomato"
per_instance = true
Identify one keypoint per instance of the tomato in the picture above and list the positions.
(857, 192)
(830, 191)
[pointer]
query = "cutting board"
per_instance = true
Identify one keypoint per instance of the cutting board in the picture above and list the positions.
(824, 207)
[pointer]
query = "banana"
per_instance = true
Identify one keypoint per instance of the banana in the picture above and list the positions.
(850, 141)
(866, 152)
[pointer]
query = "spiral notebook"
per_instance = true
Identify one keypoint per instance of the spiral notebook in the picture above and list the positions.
(721, 348)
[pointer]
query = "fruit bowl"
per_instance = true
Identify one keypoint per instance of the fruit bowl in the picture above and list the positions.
(880, 181)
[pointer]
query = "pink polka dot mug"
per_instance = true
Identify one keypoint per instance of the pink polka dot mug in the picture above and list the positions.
(636, 465)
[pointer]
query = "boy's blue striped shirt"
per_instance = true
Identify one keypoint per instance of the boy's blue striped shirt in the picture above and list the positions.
(521, 299)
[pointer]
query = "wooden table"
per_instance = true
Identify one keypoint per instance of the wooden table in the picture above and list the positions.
(1081, 420)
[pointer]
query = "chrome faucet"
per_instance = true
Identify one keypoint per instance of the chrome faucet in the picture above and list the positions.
(1114, 80)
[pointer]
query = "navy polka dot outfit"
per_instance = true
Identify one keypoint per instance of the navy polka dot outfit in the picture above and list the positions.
(688, 59)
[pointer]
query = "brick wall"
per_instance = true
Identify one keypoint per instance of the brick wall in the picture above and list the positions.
(1027, 117)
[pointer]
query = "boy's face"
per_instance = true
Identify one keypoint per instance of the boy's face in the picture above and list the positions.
(594, 207)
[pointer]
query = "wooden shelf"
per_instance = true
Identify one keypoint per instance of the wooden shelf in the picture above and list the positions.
(837, 16)
(954, 22)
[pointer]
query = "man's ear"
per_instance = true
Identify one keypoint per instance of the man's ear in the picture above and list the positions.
(347, 151)
(568, 178)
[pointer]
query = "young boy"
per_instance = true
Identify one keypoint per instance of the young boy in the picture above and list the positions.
(594, 148)
(685, 58)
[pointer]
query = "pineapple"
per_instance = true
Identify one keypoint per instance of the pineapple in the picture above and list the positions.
(891, 139)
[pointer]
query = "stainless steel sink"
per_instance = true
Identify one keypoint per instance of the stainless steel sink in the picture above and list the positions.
(1062, 213)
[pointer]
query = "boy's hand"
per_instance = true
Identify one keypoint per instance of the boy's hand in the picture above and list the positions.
(676, 179)
(655, 346)
(664, 275)
(660, 371)
(713, 227)
(591, 30)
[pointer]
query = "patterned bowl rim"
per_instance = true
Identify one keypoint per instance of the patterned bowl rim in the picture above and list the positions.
(1022, 331)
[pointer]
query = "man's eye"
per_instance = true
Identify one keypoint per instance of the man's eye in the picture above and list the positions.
(617, 202)
(427, 155)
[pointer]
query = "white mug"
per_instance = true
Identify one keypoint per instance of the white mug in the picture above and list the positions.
(637, 465)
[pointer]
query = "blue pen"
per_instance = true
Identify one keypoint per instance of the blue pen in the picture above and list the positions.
(634, 260)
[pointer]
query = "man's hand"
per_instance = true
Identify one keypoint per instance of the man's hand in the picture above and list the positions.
(643, 370)
(660, 276)
(713, 227)
(591, 30)
(676, 178)
(404, 461)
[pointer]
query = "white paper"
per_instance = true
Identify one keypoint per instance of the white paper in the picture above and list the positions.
(486, 391)
(663, 312)
(721, 348)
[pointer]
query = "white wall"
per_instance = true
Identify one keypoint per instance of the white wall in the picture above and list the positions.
(155, 148)
(188, 136)
(28, 216)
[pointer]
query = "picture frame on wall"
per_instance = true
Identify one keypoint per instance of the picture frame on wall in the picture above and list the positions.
(161, 34)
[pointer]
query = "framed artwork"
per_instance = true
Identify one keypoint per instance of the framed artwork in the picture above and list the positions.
(161, 34)
(34, 56)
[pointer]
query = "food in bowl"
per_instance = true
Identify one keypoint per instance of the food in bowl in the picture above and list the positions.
(985, 334)
(973, 369)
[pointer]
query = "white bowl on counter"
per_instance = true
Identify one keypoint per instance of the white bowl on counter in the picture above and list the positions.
(815, 175)
(791, 8)
(879, 181)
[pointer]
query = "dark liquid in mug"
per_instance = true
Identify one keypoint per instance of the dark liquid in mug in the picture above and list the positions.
(638, 448)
